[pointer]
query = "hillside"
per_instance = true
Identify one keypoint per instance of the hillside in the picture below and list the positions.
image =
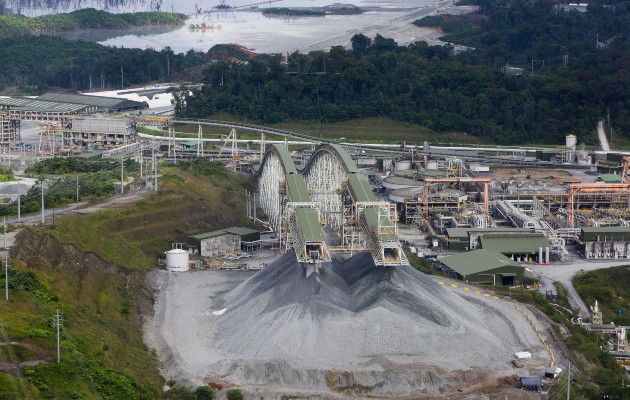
(92, 269)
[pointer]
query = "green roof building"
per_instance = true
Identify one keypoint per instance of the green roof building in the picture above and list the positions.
(483, 266)
(222, 241)
(609, 178)
(605, 242)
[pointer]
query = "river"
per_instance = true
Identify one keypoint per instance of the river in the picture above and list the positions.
(245, 26)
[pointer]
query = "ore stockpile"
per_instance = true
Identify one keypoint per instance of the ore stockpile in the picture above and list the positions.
(392, 330)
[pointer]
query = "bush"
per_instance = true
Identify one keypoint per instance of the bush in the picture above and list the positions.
(234, 394)
(204, 393)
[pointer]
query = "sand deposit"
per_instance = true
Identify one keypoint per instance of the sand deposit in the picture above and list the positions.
(354, 328)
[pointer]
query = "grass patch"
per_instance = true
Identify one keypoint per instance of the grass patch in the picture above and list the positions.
(92, 269)
(611, 288)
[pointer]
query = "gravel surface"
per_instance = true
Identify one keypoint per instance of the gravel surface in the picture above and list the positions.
(352, 328)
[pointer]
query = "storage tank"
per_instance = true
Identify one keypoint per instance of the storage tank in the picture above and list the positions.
(177, 260)
(571, 142)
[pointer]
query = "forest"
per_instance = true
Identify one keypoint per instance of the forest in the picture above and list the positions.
(580, 73)
(46, 61)
(12, 25)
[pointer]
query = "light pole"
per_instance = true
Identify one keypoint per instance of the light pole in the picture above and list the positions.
(41, 184)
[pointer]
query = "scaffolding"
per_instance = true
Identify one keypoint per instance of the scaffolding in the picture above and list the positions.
(46, 145)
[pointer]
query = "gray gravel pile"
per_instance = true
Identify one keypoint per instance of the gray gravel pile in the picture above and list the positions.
(357, 326)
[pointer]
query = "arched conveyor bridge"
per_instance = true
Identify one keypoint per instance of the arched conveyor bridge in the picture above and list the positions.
(329, 192)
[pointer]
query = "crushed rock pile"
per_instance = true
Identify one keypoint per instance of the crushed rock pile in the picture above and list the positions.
(357, 328)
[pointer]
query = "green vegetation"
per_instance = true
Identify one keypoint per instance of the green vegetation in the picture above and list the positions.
(13, 25)
(95, 180)
(598, 374)
(293, 12)
(6, 173)
(234, 394)
(611, 288)
(42, 62)
(445, 91)
(92, 269)
(189, 204)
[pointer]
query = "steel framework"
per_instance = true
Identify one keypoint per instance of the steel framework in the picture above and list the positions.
(428, 181)
(325, 182)
(598, 189)
(625, 175)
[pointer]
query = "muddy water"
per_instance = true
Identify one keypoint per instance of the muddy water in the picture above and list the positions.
(246, 26)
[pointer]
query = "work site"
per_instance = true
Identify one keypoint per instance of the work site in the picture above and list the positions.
(357, 269)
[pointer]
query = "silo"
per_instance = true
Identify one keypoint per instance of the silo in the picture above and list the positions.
(177, 260)
(570, 145)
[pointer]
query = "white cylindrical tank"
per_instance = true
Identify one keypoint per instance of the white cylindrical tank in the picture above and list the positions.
(432, 164)
(571, 142)
(177, 260)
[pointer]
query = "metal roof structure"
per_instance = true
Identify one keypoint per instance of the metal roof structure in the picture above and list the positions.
(464, 232)
(36, 104)
(609, 178)
(605, 233)
(298, 191)
(309, 224)
(351, 167)
(100, 102)
(235, 230)
(360, 188)
(478, 261)
(286, 159)
(514, 244)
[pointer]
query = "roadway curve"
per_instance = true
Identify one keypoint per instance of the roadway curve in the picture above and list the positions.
(602, 135)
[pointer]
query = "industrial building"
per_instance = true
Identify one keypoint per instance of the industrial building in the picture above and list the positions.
(222, 241)
(482, 266)
(469, 238)
(95, 103)
(523, 247)
(610, 242)
(54, 111)
(96, 134)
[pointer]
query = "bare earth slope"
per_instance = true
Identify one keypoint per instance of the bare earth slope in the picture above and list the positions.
(354, 328)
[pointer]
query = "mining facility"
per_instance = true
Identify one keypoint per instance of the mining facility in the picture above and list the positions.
(354, 216)
(531, 205)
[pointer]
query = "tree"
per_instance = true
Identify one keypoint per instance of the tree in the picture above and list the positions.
(360, 43)
(234, 394)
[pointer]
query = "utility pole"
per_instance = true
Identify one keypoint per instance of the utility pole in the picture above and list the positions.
(122, 174)
(57, 323)
(19, 207)
(6, 275)
(42, 187)
(4, 224)
(569, 383)
(154, 166)
(77, 188)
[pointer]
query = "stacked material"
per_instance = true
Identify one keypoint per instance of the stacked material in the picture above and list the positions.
(385, 330)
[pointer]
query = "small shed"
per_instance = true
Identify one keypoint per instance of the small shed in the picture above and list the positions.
(222, 241)
(533, 383)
